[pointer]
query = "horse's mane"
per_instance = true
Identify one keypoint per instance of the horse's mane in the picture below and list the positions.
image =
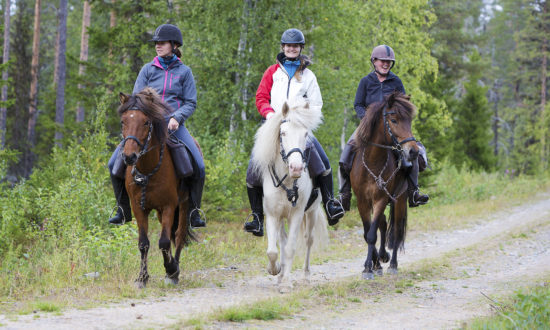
(149, 102)
(396, 101)
(266, 143)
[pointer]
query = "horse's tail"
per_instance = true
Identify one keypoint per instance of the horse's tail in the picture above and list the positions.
(319, 232)
(397, 229)
(189, 233)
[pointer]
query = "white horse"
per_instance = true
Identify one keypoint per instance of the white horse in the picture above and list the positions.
(279, 154)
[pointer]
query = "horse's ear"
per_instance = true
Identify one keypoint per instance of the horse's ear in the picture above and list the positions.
(285, 109)
(391, 99)
(123, 97)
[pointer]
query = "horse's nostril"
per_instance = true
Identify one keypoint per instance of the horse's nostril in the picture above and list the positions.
(413, 154)
(131, 159)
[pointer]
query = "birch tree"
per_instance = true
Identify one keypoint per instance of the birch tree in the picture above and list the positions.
(5, 74)
(86, 14)
(61, 71)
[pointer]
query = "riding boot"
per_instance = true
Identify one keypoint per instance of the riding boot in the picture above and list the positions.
(415, 197)
(333, 208)
(195, 196)
(124, 212)
(256, 226)
(345, 189)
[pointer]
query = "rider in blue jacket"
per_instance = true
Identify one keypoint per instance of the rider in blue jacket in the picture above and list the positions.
(372, 88)
(175, 84)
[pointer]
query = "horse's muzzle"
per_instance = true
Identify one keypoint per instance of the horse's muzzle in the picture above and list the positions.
(131, 159)
(295, 170)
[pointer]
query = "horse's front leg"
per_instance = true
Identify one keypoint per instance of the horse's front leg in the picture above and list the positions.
(272, 229)
(295, 221)
(372, 262)
(171, 265)
(143, 245)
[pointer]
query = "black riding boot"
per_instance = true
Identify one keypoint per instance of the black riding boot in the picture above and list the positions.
(345, 189)
(123, 212)
(333, 208)
(415, 197)
(256, 226)
(195, 195)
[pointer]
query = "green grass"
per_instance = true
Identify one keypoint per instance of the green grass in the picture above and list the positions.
(529, 308)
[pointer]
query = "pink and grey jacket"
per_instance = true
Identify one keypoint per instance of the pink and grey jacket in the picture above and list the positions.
(175, 85)
(276, 87)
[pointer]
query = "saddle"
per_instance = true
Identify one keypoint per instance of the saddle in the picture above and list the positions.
(181, 158)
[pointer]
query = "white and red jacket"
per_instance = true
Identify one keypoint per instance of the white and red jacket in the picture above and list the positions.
(275, 87)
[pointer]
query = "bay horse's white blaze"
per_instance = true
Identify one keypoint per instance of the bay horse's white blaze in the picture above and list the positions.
(288, 129)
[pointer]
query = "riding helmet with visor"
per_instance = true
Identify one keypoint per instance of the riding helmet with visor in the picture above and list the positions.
(293, 36)
(168, 32)
(384, 53)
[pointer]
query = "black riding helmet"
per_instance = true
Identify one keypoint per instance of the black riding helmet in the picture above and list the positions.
(168, 32)
(293, 36)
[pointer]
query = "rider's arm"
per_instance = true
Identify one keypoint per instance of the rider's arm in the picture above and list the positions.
(188, 96)
(263, 94)
(360, 97)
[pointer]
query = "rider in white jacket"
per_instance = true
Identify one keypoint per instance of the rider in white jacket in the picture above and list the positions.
(285, 80)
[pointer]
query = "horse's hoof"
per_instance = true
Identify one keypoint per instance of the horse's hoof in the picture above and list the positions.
(368, 275)
(384, 257)
(379, 272)
(171, 280)
(392, 271)
(274, 270)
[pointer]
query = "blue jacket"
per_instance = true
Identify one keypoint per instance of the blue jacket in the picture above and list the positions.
(371, 90)
(175, 85)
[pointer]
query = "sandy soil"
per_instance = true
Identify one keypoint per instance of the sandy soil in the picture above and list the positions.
(493, 258)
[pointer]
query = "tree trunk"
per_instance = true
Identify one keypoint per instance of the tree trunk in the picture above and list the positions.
(5, 59)
(112, 24)
(241, 54)
(61, 71)
(86, 14)
(33, 95)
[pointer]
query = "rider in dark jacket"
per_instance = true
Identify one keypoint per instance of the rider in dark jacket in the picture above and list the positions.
(372, 88)
(174, 82)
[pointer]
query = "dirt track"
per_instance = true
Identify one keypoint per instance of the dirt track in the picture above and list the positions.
(493, 256)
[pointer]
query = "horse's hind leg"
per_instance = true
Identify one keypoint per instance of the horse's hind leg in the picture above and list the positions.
(398, 227)
(309, 224)
(383, 255)
(272, 229)
(170, 264)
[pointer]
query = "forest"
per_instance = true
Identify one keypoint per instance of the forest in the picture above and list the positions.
(476, 69)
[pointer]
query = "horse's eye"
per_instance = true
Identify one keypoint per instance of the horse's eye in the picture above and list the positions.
(283, 134)
(394, 121)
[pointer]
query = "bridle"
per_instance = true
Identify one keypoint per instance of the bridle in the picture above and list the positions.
(291, 193)
(139, 178)
(395, 146)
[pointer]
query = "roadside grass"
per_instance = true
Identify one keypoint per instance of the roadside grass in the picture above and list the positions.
(101, 265)
(528, 308)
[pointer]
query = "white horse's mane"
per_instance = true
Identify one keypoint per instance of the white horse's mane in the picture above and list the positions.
(266, 142)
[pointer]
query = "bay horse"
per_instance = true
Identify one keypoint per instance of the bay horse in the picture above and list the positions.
(385, 145)
(151, 179)
(280, 156)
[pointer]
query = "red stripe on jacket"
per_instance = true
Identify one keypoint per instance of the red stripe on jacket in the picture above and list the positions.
(263, 94)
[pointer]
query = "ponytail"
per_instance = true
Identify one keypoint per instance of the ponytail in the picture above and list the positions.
(176, 52)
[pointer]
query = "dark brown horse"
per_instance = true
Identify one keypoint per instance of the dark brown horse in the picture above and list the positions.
(151, 180)
(384, 143)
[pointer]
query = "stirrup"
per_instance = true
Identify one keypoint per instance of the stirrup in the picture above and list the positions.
(201, 214)
(123, 216)
(339, 214)
(256, 217)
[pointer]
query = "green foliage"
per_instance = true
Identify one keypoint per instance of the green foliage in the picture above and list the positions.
(471, 132)
(529, 309)
(269, 309)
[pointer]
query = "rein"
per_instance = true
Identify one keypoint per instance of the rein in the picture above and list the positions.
(291, 193)
(139, 178)
(397, 146)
